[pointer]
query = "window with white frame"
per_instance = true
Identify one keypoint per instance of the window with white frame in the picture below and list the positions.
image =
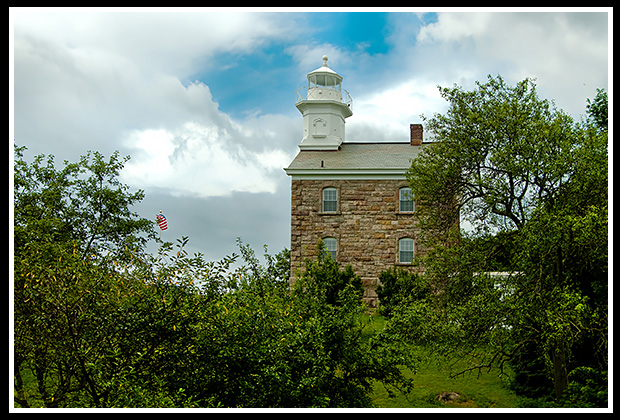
(330, 200)
(331, 246)
(405, 250)
(406, 199)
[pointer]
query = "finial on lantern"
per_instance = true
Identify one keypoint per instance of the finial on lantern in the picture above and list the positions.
(324, 61)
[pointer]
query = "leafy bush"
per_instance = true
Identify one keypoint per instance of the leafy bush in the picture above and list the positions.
(397, 284)
(181, 332)
(587, 388)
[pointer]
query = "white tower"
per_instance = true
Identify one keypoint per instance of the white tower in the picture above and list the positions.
(324, 110)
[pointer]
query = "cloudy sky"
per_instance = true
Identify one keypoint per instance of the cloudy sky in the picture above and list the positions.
(203, 100)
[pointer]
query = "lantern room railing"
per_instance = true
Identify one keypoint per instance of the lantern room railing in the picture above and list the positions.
(302, 94)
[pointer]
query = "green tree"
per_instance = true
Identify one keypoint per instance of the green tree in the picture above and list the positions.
(325, 275)
(597, 110)
(501, 151)
(84, 333)
(83, 203)
(89, 316)
(262, 344)
(531, 185)
(563, 257)
(177, 331)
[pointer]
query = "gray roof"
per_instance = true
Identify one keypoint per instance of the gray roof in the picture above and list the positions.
(391, 159)
(358, 156)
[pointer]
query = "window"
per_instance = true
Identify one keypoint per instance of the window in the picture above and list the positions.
(405, 250)
(331, 246)
(330, 200)
(406, 199)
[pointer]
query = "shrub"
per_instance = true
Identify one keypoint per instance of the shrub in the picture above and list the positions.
(397, 284)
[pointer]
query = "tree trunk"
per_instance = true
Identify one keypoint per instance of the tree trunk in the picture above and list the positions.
(560, 372)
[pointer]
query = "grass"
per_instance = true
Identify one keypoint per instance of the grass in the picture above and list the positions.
(487, 391)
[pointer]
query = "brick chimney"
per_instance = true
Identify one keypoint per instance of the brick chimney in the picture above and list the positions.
(416, 134)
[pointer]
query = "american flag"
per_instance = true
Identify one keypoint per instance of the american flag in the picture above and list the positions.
(161, 221)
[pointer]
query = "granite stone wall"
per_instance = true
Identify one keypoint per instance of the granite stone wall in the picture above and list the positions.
(367, 226)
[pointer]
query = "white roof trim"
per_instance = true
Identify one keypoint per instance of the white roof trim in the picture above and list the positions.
(381, 173)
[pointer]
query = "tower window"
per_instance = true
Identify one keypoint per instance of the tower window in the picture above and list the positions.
(405, 250)
(330, 200)
(406, 199)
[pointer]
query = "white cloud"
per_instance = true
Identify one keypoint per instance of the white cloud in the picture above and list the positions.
(567, 53)
(309, 57)
(81, 76)
(201, 160)
(452, 27)
(387, 113)
(169, 42)
(80, 86)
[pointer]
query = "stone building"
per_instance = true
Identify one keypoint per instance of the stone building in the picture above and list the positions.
(353, 196)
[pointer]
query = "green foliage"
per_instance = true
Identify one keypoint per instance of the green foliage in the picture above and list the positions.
(324, 277)
(597, 110)
(82, 331)
(587, 388)
(397, 284)
(83, 203)
(532, 185)
(177, 331)
(501, 149)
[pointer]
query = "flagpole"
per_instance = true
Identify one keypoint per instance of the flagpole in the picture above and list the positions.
(157, 217)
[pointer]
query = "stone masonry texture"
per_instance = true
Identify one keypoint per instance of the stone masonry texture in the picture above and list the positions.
(367, 226)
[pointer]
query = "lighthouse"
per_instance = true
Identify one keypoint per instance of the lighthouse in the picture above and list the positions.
(353, 196)
(324, 108)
